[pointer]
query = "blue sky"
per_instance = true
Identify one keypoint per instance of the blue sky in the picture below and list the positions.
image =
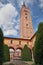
(10, 15)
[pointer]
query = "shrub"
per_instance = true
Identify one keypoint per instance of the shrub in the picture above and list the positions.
(38, 48)
(1, 47)
(6, 53)
(26, 54)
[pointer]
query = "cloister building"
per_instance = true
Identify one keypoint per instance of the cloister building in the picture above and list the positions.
(27, 35)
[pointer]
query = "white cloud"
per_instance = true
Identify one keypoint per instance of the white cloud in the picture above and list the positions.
(30, 1)
(20, 2)
(1, 5)
(17, 27)
(41, 3)
(10, 32)
(7, 13)
(11, 1)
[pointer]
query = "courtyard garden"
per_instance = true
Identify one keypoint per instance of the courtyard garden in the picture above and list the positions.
(26, 54)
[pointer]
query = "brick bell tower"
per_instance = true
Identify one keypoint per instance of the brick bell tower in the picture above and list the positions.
(26, 28)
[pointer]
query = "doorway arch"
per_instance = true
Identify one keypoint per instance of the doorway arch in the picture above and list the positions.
(12, 51)
(18, 53)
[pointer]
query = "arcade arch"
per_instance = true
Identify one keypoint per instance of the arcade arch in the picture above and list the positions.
(12, 51)
(18, 52)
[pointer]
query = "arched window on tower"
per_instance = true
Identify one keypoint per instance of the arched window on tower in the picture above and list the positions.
(27, 24)
(25, 13)
(26, 17)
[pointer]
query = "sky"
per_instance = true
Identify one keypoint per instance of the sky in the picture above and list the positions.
(10, 15)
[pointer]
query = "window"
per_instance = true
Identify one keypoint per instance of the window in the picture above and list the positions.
(27, 42)
(19, 42)
(26, 17)
(25, 13)
(27, 24)
(11, 41)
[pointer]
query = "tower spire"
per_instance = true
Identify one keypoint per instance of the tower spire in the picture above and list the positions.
(23, 3)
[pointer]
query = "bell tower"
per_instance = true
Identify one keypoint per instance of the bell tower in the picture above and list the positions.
(26, 28)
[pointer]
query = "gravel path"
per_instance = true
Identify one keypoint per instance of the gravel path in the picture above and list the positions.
(18, 62)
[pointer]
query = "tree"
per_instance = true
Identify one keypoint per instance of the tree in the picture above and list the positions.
(38, 47)
(6, 53)
(1, 47)
(26, 54)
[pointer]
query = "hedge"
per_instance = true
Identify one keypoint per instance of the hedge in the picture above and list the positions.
(26, 54)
